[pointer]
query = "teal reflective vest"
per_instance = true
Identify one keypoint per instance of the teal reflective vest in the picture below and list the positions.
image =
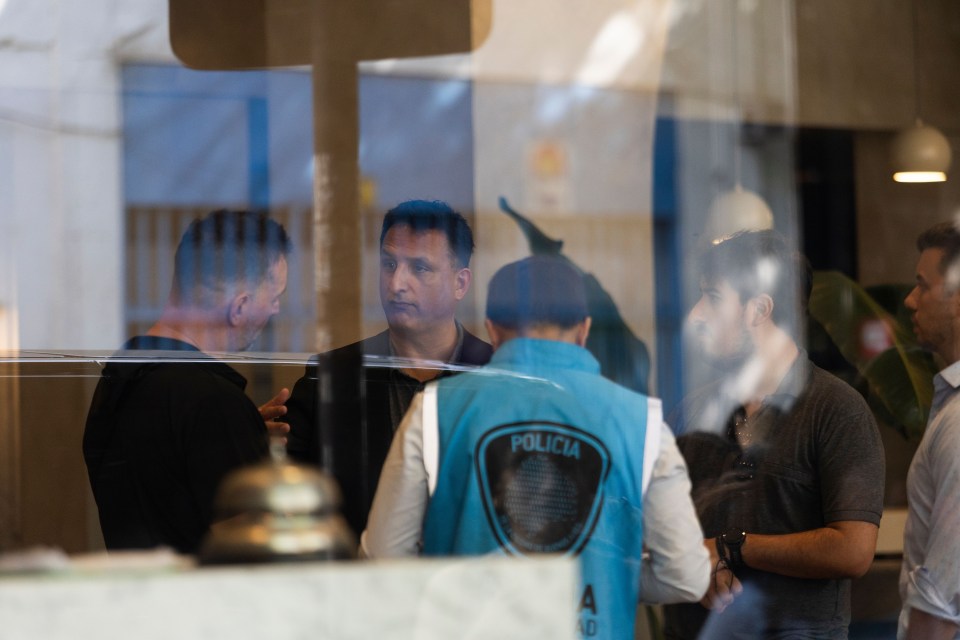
(537, 453)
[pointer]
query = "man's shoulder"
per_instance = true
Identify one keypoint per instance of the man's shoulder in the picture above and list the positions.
(348, 368)
(825, 387)
(191, 381)
(376, 345)
(706, 408)
(704, 392)
(169, 395)
(942, 434)
(474, 351)
(822, 378)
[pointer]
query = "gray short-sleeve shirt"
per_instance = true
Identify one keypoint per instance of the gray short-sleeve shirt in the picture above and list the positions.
(814, 457)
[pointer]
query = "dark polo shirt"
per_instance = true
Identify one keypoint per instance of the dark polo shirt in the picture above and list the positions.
(345, 409)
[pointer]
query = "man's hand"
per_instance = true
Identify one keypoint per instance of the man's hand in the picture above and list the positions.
(273, 409)
(724, 586)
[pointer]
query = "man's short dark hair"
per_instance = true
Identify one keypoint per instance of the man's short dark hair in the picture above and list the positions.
(426, 215)
(944, 236)
(539, 290)
(227, 247)
(762, 262)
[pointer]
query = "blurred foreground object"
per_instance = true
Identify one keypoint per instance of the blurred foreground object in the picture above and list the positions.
(40, 560)
(277, 511)
(247, 34)
(486, 598)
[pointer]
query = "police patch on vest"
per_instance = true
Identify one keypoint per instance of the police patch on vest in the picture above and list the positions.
(542, 485)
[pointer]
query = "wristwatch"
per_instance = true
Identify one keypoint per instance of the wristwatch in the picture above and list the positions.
(732, 542)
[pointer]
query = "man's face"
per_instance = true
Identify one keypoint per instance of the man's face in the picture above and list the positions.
(264, 303)
(420, 282)
(717, 324)
(934, 305)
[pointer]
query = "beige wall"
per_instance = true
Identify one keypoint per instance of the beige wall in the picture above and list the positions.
(818, 63)
(855, 63)
(10, 499)
(55, 501)
(47, 483)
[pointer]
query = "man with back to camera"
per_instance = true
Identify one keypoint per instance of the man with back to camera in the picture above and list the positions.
(425, 250)
(785, 459)
(930, 575)
(537, 452)
(168, 421)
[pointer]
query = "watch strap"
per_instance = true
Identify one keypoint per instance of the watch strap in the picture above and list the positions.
(732, 546)
(722, 551)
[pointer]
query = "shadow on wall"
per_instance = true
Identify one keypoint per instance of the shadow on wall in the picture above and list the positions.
(623, 356)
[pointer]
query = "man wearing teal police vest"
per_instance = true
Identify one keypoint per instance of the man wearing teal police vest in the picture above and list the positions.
(537, 453)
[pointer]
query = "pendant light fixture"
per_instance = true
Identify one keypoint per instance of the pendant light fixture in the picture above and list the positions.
(739, 209)
(919, 153)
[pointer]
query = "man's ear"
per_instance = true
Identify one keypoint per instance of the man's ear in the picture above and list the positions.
(762, 308)
(493, 332)
(237, 308)
(583, 331)
(954, 294)
(464, 278)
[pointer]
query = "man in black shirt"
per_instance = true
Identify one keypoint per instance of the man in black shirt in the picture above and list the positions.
(344, 411)
(168, 421)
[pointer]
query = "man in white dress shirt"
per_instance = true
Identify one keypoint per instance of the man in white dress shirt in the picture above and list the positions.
(930, 576)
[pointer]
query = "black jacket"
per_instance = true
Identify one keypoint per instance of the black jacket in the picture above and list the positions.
(166, 424)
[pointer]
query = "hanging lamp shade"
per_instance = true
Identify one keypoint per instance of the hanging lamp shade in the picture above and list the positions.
(920, 154)
(737, 210)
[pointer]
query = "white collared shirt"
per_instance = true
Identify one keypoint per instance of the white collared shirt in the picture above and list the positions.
(930, 575)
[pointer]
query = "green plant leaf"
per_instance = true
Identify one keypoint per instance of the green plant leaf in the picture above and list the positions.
(900, 379)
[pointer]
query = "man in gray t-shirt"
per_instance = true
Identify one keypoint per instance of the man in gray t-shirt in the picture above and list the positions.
(786, 462)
